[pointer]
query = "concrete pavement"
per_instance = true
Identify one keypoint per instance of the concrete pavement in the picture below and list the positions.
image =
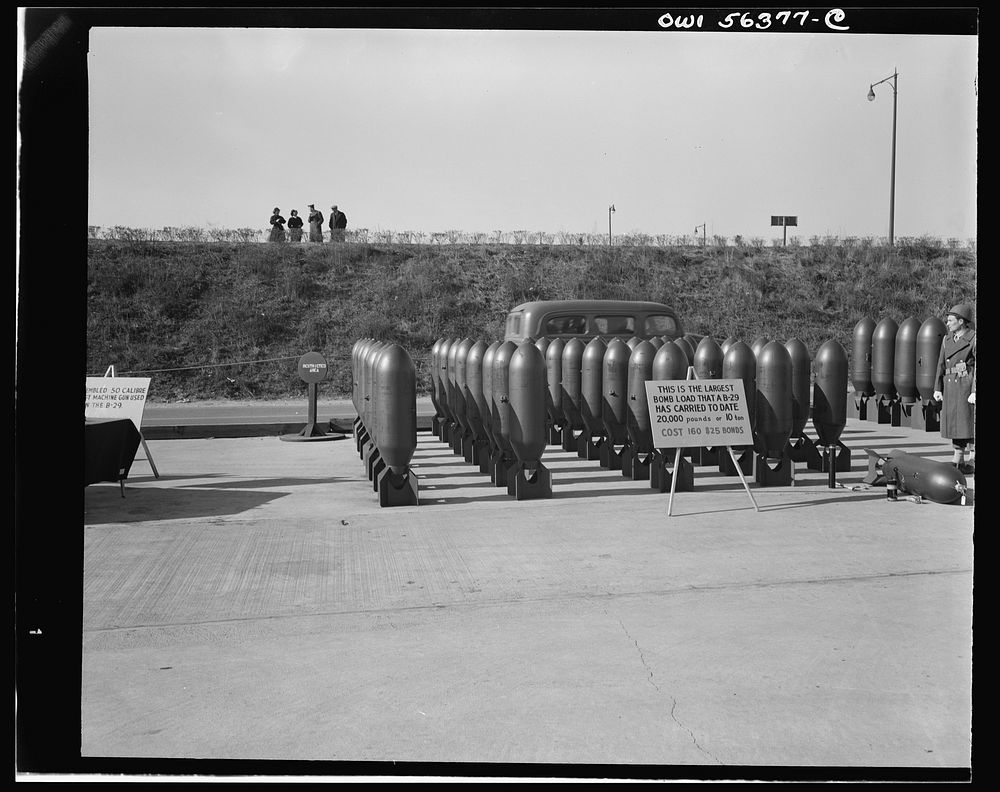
(255, 602)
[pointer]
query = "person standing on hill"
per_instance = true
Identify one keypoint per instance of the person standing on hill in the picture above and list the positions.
(315, 224)
(277, 227)
(955, 386)
(338, 222)
(295, 226)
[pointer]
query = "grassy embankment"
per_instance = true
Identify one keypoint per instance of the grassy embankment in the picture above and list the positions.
(200, 317)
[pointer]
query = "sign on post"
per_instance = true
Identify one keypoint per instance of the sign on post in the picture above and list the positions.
(698, 413)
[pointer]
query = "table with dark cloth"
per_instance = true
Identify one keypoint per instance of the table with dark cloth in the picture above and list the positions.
(109, 449)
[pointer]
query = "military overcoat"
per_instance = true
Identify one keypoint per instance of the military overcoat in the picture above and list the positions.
(956, 379)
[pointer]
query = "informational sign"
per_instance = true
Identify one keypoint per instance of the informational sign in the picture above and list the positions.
(698, 413)
(784, 220)
(312, 367)
(117, 397)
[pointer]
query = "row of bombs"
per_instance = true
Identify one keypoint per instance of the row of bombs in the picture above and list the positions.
(893, 369)
(385, 430)
(499, 405)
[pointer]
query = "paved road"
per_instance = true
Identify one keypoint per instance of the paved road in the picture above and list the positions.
(255, 603)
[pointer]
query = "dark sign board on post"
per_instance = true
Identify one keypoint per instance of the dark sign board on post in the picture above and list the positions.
(784, 221)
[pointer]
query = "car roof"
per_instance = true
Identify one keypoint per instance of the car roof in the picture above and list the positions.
(549, 306)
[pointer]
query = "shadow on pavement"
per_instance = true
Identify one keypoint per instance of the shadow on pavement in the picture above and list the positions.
(104, 504)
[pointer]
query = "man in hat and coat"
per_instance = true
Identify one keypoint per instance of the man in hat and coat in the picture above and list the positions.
(315, 224)
(955, 386)
(338, 222)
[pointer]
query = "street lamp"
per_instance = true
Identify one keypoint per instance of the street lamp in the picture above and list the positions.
(892, 172)
(702, 227)
(610, 210)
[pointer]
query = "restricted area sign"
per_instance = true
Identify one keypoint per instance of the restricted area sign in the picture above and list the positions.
(698, 413)
(312, 367)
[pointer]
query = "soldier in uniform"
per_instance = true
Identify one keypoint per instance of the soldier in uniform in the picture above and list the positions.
(315, 224)
(955, 386)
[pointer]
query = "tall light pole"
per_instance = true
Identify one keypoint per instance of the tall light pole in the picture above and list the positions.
(892, 173)
(610, 210)
(702, 227)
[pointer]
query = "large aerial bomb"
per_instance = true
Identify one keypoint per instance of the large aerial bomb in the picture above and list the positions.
(829, 407)
(861, 366)
(883, 373)
(474, 399)
(501, 412)
(688, 348)
(395, 396)
(636, 454)
(758, 344)
(435, 388)
(739, 362)
(774, 414)
(904, 373)
(591, 398)
(929, 339)
(486, 409)
(707, 364)
(553, 396)
(940, 482)
(670, 362)
(614, 402)
(708, 358)
(462, 440)
(368, 449)
(444, 391)
(572, 399)
(800, 447)
(528, 478)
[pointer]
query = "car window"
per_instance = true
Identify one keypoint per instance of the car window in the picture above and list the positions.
(660, 324)
(613, 325)
(555, 325)
(513, 324)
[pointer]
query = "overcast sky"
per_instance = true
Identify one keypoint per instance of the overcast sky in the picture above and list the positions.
(434, 130)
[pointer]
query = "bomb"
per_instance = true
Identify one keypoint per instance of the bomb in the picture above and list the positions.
(474, 403)
(758, 344)
(553, 382)
(614, 406)
(528, 478)
(904, 372)
(883, 373)
(774, 414)
(800, 447)
(591, 398)
(486, 409)
(927, 415)
(636, 454)
(395, 396)
(688, 348)
(670, 362)
(462, 439)
(570, 387)
(505, 458)
(936, 481)
(707, 363)
(739, 362)
(829, 408)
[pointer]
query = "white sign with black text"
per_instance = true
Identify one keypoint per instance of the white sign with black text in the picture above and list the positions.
(698, 413)
(116, 397)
